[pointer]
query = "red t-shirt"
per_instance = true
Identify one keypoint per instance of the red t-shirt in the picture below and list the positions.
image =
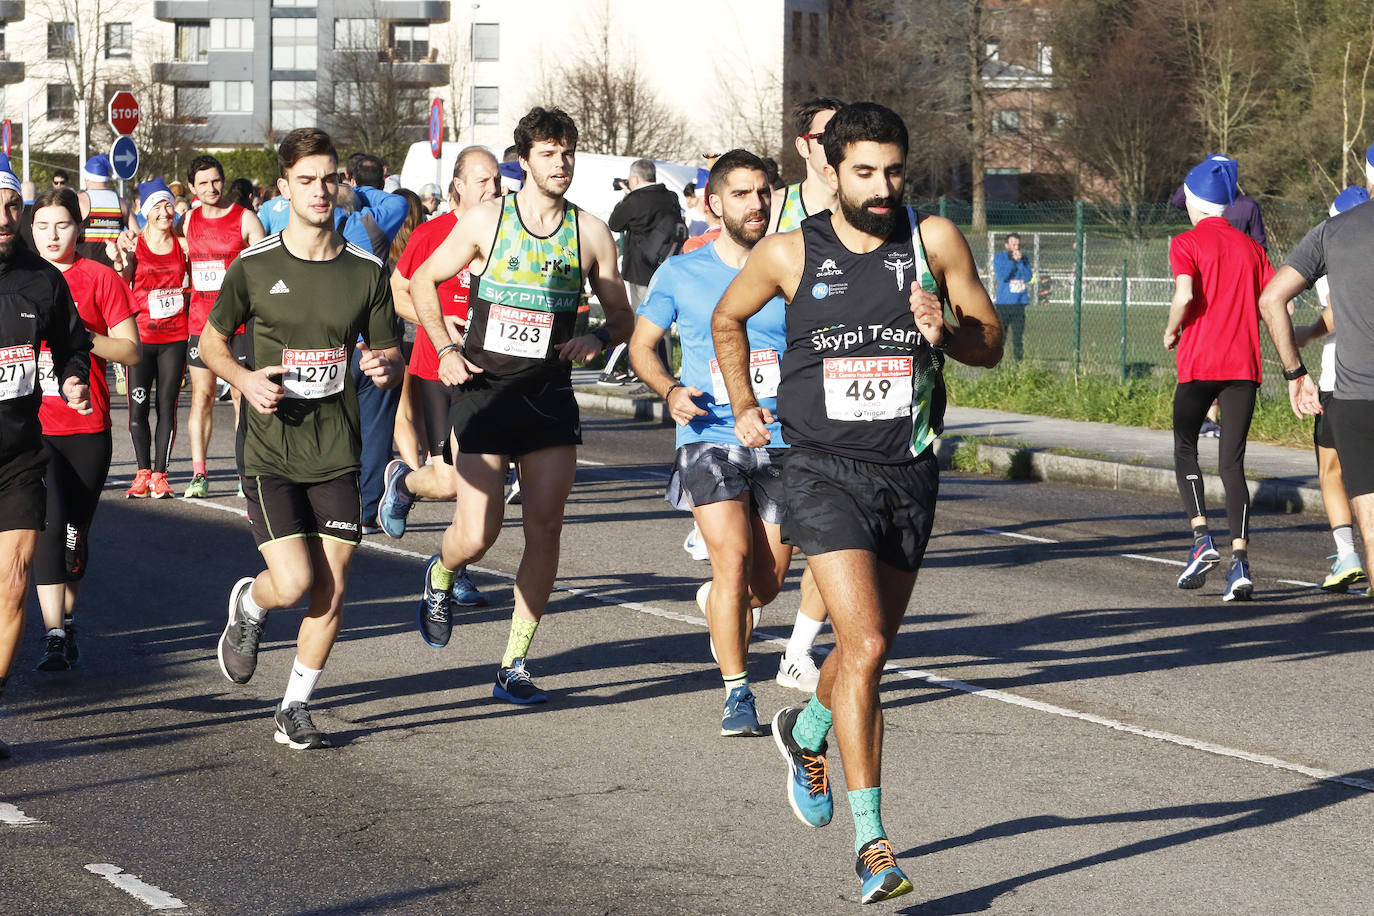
(102, 301)
(453, 293)
(1219, 338)
(697, 241)
(213, 244)
(161, 284)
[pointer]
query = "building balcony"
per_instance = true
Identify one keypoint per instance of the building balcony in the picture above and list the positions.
(13, 10)
(11, 71)
(430, 10)
(171, 10)
(181, 71)
(421, 73)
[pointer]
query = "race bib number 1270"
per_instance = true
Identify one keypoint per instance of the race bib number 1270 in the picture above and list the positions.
(313, 374)
(868, 388)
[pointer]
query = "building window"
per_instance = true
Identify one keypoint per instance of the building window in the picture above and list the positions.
(1054, 123)
(231, 34)
(119, 39)
(308, 4)
(231, 96)
(191, 102)
(486, 41)
(349, 96)
(294, 104)
(1045, 60)
(409, 41)
(111, 89)
(1006, 121)
(192, 42)
(2, 38)
(814, 48)
(294, 44)
(356, 35)
(413, 103)
(61, 102)
(486, 108)
(61, 40)
(796, 31)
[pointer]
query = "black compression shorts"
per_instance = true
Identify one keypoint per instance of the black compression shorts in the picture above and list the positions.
(279, 509)
(23, 496)
(1353, 425)
(1323, 431)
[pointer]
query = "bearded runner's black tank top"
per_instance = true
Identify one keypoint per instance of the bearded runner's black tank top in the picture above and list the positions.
(858, 379)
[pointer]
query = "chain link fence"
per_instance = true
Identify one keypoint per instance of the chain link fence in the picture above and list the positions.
(1101, 283)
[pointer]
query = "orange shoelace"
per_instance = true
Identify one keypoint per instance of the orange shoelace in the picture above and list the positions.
(817, 775)
(878, 857)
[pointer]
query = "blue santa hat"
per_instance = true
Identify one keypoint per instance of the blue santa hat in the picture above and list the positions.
(97, 168)
(512, 176)
(1352, 196)
(1369, 164)
(1211, 185)
(8, 179)
(151, 193)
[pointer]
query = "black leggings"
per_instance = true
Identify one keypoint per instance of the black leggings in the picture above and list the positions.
(1237, 400)
(77, 468)
(163, 363)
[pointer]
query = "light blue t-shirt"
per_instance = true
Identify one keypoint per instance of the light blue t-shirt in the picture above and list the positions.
(685, 289)
(274, 214)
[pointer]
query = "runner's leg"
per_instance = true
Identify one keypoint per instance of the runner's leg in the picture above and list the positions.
(171, 364)
(140, 403)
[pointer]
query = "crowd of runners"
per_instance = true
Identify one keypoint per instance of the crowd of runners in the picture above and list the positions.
(814, 330)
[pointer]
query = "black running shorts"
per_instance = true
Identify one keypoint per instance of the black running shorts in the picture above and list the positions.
(836, 503)
(279, 509)
(436, 401)
(23, 496)
(240, 348)
(712, 472)
(1323, 432)
(515, 420)
(1352, 424)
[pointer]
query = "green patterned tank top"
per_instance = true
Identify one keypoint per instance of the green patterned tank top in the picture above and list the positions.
(793, 209)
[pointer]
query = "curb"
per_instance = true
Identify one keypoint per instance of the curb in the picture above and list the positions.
(1027, 462)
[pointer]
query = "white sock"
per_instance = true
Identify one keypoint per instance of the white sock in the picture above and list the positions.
(1345, 540)
(804, 633)
(301, 684)
(57, 631)
(251, 609)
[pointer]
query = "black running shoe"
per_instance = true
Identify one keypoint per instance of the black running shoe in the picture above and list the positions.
(879, 875)
(434, 616)
(55, 656)
(73, 654)
(514, 684)
(238, 646)
(296, 730)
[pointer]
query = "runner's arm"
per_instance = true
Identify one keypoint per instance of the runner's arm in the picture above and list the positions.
(599, 261)
(462, 246)
(1273, 306)
(400, 295)
(977, 336)
(763, 277)
(70, 345)
(1178, 309)
(120, 345)
(251, 228)
(645, 361)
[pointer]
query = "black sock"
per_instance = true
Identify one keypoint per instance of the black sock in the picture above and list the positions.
(1199, 532)
(402, 488)
(1240, 555)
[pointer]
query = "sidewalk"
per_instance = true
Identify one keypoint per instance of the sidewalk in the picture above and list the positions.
(1063, 451)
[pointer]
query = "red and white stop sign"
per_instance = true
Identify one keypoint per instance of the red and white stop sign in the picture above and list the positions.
(123, 112)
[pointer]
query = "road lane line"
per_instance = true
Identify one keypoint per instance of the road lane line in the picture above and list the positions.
(1023, 537)
(1165, 560)
(155, 897)
(939, 681)
(13, 817)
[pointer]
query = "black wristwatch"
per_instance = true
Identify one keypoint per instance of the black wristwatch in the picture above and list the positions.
(604, 335)
(1293, 375)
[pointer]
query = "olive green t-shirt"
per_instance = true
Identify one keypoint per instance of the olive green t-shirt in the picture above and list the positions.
(305, 316)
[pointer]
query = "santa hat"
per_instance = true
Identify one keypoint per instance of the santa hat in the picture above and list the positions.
(97, 168)
(1352, 196)
(151, 193)
(1211, 186)
(512, 176)
(8, 179)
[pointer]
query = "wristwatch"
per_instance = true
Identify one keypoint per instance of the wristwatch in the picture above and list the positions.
(1293, 375)
(604, 335)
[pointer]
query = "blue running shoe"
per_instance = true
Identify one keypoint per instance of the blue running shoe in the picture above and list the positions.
(395, 506)
(1345, 572)
(741, 718)
(1238, 584)
(808, 779)
(879, 876)
(464, 592)
(434, 617)
(1200, 562)
(514, 685)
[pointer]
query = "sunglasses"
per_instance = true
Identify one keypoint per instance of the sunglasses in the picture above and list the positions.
(818, 137)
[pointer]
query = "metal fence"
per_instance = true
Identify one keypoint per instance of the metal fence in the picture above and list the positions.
(1101, 280)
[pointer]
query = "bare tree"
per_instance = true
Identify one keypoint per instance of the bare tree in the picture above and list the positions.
(1226, 91)
(80, 55)
(167, 133)
(458, 52)
(749, 115)
(604, 90)
(370, 102)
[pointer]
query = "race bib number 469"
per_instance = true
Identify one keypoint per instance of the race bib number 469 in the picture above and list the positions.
(313, 374)
(519, 332)
(868, 388)
(764, 376)
(18, 369)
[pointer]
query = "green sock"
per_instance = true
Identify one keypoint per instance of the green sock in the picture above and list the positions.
(735, 680)
(812, 725)
(440, 577)
(518, 646)
(867, 807)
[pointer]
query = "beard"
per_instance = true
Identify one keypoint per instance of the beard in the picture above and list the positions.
(740, 234)
(7, 248)
(860, 217)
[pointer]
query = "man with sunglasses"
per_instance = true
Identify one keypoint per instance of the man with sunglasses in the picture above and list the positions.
(812, 194)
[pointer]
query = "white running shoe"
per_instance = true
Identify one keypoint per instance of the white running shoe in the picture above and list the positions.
(799, 673)
(701, 603)
(695, 545)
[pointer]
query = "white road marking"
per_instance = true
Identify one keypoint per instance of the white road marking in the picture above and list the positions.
(156, 898)
(950, 683)
(1165, 560)
(12, 816)
(1023, 537)
(590, 463)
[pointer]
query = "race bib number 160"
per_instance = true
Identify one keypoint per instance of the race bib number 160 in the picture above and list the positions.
(868, 388)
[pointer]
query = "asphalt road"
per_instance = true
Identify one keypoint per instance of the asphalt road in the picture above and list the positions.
(1066, 731)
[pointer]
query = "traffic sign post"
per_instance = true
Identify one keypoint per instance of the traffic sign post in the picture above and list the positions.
(123, 113)
(124, 158)
(436, 139)
(6, 135)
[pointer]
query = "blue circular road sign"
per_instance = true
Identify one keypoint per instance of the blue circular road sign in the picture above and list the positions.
(124, 158)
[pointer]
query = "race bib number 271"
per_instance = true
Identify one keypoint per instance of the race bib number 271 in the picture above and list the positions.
(18, 369)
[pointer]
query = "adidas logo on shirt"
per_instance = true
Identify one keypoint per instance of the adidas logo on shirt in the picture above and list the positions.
(279, 287)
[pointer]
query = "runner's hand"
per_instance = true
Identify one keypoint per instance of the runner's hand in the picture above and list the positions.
(455, 368)
(1304, 397)
(127, 240)
(1170, 339)
(78, 396)
(374, 365)
(579, 350)
(929, 315)
(751, 426)
(261, 392)
(682, 406)
(457, 328)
